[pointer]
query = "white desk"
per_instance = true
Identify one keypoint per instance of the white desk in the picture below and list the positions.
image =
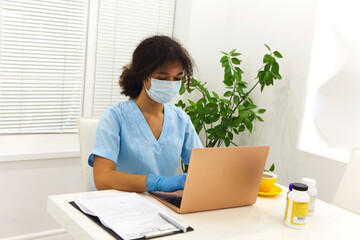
(263, 220)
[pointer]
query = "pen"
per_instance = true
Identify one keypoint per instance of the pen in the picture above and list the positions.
(173, 221)
(158, 234)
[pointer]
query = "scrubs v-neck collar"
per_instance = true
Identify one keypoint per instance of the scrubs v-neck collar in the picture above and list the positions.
(144, 126)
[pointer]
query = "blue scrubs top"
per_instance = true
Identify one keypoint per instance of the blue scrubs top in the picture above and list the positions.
(123, 136)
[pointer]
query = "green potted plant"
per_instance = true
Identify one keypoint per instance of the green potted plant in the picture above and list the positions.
(223, 117)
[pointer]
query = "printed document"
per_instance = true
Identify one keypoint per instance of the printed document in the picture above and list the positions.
(127, 214)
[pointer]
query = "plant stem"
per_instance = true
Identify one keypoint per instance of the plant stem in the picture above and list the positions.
(248, 93)
(206, 135)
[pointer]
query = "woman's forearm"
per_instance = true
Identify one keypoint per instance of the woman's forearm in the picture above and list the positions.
(107, 177)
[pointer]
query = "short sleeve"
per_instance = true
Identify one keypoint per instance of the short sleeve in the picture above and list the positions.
(191, 141)
(107, 139)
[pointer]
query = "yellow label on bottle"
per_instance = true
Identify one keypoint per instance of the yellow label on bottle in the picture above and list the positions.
(312, 204)
(299, 213)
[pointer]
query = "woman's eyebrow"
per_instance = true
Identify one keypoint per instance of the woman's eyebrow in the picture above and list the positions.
(163, 73)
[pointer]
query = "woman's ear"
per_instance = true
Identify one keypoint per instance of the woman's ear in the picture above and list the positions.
(147, 83)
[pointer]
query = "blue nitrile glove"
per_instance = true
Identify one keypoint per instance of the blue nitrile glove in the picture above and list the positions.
(165, 184)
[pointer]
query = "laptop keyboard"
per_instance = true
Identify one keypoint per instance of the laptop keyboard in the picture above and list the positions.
(176, 201)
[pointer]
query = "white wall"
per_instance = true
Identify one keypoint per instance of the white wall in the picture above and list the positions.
(286, 26)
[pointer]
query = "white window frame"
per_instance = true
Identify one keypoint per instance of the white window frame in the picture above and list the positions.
(23, 147)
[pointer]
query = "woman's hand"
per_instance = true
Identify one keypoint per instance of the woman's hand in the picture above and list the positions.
(165, 184)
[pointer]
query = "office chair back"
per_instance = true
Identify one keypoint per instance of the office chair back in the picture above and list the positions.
(87, 130)
(348, 193)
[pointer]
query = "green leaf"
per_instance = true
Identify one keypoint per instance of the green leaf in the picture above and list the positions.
(262, 87)
(227, 71)
(182, 90)
(194, 82)
(235, 61)
(236, 76)
(213, 100)
(230, 135)
(216, 118)
(268, 78)
(272, 168)
(228, 75)
(241, 107)
(241, 128)
(211, 105)
(261, 111)
(192, 103)
(227, 142)
(228, 94)
(232, 51)
(259, 118)
(236, 99)
(229, 111)
(215, 95)
(200, 102)
(225, 101)
(202, 88)
(240, 90)
(224, 59)
(228, 83)
(276, 75)
(267, 47)
(235, 131)
(208, 120)
(261, 75)
(207, 94)
(221, 134)
(223, 52)
(267, 67)
(275, 67)
(267, 58)
(251, 106)
(239, 70)
(277, 54)
(236, 122)
(190, 109)
(235, 54)
(248, 124)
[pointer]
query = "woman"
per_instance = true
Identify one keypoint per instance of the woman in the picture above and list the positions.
(139, 142)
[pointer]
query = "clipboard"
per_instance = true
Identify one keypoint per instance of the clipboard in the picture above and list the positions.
(112, 233)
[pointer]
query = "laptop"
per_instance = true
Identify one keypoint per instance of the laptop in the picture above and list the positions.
(219, 178)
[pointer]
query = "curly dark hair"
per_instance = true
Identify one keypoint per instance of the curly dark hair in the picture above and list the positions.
(151, 53)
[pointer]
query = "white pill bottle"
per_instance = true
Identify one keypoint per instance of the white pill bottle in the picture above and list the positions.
(297, 206)
(312, 191)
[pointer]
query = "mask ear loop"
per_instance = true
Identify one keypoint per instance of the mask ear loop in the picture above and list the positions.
(145, 85)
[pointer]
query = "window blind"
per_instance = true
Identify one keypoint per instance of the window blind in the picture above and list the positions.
(122, 26)
(41, 65)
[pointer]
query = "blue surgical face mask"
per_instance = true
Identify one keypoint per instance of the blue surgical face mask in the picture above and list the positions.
(163, 91)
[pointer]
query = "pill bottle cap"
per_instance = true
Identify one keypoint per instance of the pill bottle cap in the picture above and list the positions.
(309, 181)
(300, 186)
